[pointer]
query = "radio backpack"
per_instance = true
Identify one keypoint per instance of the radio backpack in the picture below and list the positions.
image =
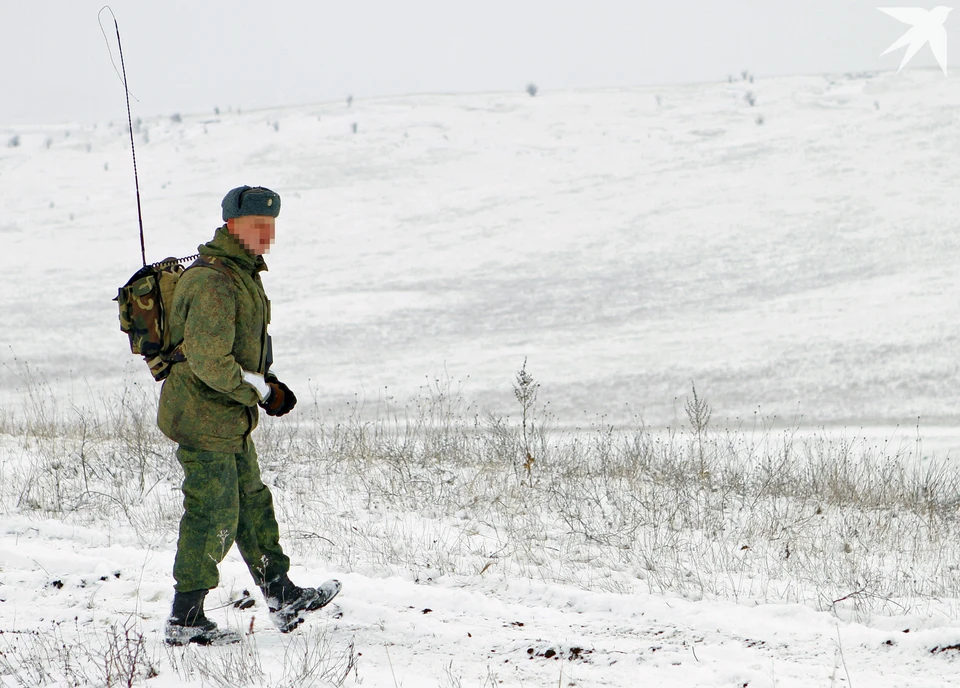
(146, 303)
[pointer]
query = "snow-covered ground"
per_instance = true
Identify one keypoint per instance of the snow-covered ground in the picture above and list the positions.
(625, 242)
(521, 632)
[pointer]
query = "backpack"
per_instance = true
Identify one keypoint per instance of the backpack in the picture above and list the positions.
(145, 304)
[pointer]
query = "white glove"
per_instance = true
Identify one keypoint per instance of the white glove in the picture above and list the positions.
(256, 381)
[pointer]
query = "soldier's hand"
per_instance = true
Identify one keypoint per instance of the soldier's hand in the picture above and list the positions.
(281, 400)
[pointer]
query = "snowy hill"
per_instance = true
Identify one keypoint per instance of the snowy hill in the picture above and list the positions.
(625, 247)
(794, 255)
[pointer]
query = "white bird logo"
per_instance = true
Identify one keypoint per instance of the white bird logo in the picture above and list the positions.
(927, 27)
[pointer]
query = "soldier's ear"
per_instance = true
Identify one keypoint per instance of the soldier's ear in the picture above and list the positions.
(230, 224)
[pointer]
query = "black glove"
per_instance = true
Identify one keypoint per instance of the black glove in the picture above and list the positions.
(281, 400)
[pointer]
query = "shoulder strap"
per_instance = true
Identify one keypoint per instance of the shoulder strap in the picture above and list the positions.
(176, 354)
(211, 262)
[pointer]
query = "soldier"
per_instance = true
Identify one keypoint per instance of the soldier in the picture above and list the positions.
(209, 406)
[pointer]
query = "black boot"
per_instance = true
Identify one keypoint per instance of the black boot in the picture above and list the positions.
(188, 623)
(288, 602)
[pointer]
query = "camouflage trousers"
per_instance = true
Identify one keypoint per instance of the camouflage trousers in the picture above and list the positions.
(224, 501)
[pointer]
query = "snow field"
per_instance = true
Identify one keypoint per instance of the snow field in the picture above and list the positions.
(800, 271)
(693, 557)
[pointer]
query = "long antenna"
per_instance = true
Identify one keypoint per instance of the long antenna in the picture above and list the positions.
(133, 149)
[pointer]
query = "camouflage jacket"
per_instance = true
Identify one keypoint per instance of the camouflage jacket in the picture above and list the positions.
(204, 403)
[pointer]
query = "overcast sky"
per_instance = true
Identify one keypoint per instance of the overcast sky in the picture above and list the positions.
(189, 56)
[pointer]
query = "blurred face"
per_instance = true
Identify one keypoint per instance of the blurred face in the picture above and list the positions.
(254, 232)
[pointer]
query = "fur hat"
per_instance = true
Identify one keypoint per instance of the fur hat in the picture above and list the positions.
(250, 200)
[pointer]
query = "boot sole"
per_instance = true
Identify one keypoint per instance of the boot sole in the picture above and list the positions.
(218, 637)
(331, 588)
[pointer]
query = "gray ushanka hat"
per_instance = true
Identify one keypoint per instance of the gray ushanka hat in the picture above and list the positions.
(250, 200)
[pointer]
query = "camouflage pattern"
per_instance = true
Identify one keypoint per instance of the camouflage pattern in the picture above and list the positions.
(224, 500)
(222, 320)
(143, 318)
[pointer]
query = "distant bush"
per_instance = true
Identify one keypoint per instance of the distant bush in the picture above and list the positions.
(751, 98)
(14, 142)
(349, 101)
(532, 89)
(354, 127)
(176, 118)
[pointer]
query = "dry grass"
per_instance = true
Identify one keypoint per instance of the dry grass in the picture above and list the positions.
(436, 488)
